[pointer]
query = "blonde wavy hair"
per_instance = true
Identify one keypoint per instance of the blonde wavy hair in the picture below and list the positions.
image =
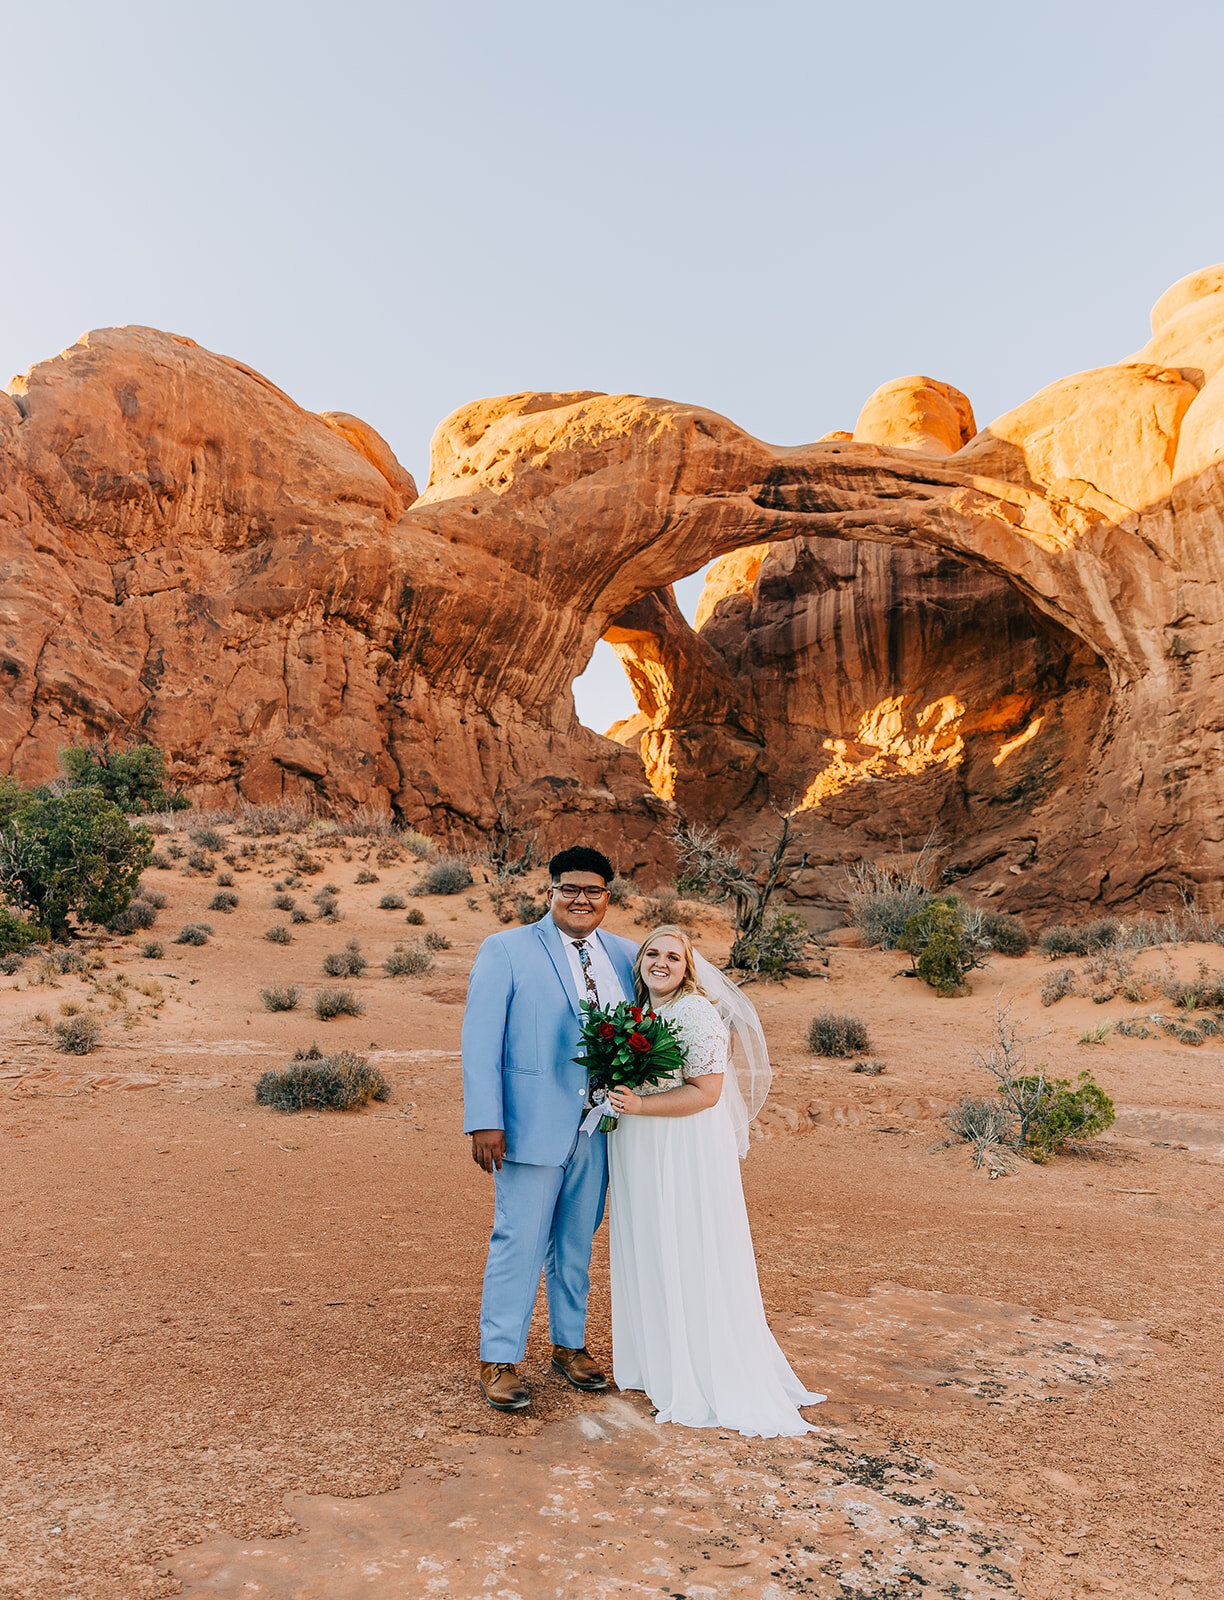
(688, 984)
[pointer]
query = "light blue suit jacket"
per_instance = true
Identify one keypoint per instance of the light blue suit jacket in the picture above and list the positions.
(520, 1036)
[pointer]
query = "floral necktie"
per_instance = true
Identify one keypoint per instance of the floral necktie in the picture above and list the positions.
(588, 975)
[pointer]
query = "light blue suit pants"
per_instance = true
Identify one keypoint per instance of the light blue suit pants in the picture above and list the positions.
(544, 1220)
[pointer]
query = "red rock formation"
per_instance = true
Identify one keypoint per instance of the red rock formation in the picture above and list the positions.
(1034, 663)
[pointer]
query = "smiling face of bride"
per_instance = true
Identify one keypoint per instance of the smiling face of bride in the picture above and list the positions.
(663, 966)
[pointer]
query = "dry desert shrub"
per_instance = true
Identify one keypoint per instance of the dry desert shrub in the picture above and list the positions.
(194, 933)
(663, 907)
(283, 902)
(327, 905)
(315, 1082)
(883, 899)
(448, 876)
(267, 821)
(392, 902)
(366, 876)
(79, 1035)
(12, 962)
(871, 1069)
(152, 897)
(1057, 986)
(224, 900)
(1007, 934)
(140, 915)
(346, 963)
(408, 961)
(278, 934)
(225, 880)
(332, 1002)
(416, 917)
(985, 1126)
(281, 996)
(298, 916)
(619, 890)
(207, 839)
(436, 941)
(832, 1034)
(152, 950)
(1063, 939)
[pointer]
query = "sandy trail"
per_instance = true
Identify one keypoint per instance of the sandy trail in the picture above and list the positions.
(219, 1312)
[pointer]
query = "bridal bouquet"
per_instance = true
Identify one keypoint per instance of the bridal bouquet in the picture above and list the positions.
(625, 1047)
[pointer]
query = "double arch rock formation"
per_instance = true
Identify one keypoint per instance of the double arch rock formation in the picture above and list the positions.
(1013, 637)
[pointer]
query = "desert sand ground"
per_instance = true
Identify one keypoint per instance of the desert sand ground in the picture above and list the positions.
(240, 1344)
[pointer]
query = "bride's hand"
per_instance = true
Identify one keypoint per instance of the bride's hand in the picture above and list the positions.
(625, 1102)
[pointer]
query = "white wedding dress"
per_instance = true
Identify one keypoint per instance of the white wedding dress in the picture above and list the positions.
(688, 1325)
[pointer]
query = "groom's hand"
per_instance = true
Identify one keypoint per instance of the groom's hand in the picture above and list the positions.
(489, 1148)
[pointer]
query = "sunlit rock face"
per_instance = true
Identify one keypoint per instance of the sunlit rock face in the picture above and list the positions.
(1013, 636)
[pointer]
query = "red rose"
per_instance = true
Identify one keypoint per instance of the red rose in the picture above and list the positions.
(606, 1030)
(651, 1015)
(638, 1042)
(636, 1013)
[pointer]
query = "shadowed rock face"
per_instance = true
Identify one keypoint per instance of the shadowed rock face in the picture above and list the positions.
(1020, 641)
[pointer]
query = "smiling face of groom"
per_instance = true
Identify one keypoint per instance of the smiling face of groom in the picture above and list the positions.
(578, 901)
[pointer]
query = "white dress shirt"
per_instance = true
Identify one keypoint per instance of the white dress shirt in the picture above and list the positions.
(606, 980)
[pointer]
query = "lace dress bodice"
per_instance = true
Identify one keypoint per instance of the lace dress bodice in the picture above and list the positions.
(703, 1034)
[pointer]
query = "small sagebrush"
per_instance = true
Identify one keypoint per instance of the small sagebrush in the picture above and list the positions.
(152, 897)
(327, 905)
(79, 1035)
(1007, 934)
(415, 918)
(139, 916)
(283, 902)
(1057, 986)
(152, 950)
(225, 880)
(12, 962)
(346, 963)
(278, 934)
(208, 839)
(392, 902)
(408, 961)
(281, 996)
(1080, 940)
(224, 900)
(194, 933)
(315, 1082)
(366, 876)
(664, 907)
(986, 1127)
(445, 877)
(436, 941)
(329, 1003)
(297, 916)
(832, 1034)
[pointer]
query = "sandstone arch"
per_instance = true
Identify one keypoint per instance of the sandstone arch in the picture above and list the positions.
(254, 587)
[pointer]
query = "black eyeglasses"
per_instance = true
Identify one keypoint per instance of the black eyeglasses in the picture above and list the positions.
(579, 891)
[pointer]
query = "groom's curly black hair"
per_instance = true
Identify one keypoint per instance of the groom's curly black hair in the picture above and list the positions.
(581, 858)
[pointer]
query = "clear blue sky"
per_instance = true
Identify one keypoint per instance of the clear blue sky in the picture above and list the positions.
(765, 208)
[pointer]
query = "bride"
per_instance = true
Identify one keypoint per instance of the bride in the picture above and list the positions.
(688, 1325)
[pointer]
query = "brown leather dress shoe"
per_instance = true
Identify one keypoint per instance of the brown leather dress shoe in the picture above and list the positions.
(576, 1367)
(502, 1387)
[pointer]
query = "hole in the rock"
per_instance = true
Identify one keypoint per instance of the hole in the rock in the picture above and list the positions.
(602, 694)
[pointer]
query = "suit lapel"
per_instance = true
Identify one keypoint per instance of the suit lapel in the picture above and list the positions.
(550, 938)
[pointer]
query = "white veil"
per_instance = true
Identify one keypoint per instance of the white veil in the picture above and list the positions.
(748, 1075)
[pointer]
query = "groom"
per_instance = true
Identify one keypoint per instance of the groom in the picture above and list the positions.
(523, 1099)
